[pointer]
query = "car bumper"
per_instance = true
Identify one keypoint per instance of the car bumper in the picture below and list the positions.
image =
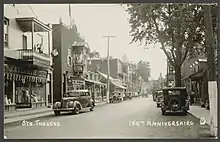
(64, 109)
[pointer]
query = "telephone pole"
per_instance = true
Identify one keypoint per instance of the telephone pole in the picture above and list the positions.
(108, 66)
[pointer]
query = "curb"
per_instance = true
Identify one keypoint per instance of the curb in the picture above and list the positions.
(29, 114)
(43, 115)
(196, 117)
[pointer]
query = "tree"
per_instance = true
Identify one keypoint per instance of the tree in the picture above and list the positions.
(143, 70)
(179, 28)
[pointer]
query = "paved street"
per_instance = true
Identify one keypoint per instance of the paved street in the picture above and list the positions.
(112, 121)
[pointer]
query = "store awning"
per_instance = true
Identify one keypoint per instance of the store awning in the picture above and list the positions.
(197, 75)
(95, 82)
(115, 82)
(20, 77)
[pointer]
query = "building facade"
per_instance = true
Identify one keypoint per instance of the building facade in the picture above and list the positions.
(118, 73)
(96, 88)
(27, 59)
(70, 64)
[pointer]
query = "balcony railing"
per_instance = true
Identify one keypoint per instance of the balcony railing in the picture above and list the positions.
(35, 57)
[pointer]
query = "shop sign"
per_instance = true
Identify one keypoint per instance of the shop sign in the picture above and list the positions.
(18, 70)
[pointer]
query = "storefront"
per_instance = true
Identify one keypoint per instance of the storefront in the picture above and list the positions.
(25, 87)
(75, 83)
(96, 89)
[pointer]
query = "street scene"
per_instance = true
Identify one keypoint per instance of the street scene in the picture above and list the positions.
(124, 71)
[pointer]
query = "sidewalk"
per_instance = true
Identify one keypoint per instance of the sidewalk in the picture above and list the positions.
(199, 112)
(27, 114)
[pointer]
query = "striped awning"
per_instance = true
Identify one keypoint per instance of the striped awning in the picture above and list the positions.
(19, 77)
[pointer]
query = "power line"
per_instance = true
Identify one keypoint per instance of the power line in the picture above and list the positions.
(32, 10)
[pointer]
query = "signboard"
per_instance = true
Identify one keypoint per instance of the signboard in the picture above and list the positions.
(23, 105)
(25, 71)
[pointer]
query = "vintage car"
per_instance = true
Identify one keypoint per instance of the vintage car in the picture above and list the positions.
(128, 96)
(159, 98)
(74, 101)
(175, 99)
(116, 97)
(155, 93)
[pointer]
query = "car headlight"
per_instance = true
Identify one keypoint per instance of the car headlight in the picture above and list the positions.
(71, 104)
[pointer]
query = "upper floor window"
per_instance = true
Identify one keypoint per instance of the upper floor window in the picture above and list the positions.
(69, 58)
(6, 24)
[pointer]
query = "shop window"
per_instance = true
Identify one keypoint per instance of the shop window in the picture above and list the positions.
(6, 25)
(24, 38)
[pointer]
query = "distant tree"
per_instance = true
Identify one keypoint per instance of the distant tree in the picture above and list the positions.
(143, 70)
(179, 28)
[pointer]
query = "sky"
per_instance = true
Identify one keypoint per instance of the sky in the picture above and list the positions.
(97, 20)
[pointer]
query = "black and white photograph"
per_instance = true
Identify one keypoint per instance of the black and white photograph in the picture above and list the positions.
(111, 71)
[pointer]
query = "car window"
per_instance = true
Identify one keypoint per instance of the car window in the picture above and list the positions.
(72, 94)
(174, 92)
(82, 94)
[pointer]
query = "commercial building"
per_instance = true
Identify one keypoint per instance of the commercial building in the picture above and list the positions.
(70, 62)
(118, 74)
(27, 69)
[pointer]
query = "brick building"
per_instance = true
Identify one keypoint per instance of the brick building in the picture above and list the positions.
(70, 65)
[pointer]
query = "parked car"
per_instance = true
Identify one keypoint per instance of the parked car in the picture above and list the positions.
(159, 98)
(175, 99)
(155, 93)
(128, 96)
(74, 101)
(116, 97)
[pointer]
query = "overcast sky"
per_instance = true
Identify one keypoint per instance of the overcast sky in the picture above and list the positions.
(94, 21)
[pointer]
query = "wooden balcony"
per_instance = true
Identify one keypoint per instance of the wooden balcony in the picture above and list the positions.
(34, 57)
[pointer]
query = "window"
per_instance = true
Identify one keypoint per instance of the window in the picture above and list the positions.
(6, 24)
(69, 57)
(24, 38)
(69, 60)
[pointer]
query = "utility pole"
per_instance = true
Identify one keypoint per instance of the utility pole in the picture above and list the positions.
(108, 66)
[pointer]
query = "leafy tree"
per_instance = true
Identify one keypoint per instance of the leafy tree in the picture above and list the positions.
(143, 70)
(179, 28)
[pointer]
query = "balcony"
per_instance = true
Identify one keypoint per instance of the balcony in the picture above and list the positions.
(34, 57)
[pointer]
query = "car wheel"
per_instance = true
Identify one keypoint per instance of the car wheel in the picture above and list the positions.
(57, 112)
(76, 110)
(158, 105)
(184, 112)
(92, 107)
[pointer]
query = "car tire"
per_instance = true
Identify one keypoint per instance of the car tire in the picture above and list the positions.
(158, 105)
(92, 107)
(163, 112)
(76, 109)
(57, 113)
(184, 112)
(178, 102)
